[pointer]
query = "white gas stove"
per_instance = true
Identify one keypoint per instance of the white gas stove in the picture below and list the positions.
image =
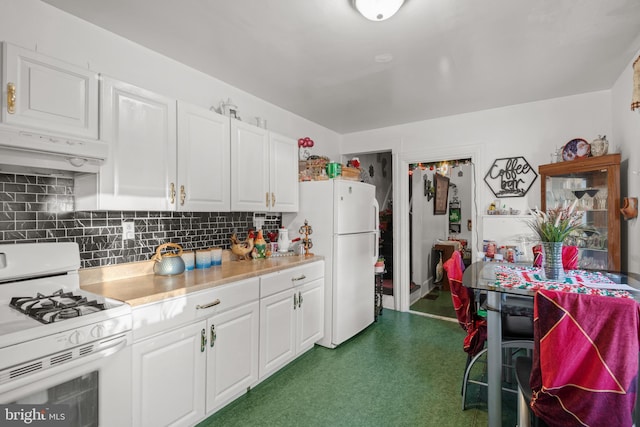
(52, 332)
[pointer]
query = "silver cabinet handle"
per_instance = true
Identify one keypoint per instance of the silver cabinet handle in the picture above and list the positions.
(299, 299)
(295, 301)
(300, 277)
(211, 304)
(203, 340)
(212, 340)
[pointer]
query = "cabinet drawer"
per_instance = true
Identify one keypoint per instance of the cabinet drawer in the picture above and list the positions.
(165, 315)
(276, 282)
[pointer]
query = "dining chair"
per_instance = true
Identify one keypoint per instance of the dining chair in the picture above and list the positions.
(517, 328)
(585, 361)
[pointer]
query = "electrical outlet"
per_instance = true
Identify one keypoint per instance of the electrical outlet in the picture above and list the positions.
(259, 220)
(128, 231)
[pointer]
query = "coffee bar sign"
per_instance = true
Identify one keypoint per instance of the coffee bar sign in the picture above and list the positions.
(510, 177)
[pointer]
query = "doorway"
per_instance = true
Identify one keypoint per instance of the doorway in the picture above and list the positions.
(440, 222)
(376, 169)
(429, 154)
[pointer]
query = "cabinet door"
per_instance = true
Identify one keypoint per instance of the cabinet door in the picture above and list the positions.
(310, 320)
(168, 378)
(594, 185)
(139, 127)
(277, 331)
(232, 360)
(203, 160)
(249, 168)
(50, 94)
(283, 173)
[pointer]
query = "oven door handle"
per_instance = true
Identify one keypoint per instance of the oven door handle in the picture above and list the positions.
(119, 344)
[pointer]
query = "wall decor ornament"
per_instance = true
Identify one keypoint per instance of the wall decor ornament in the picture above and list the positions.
(442, 194)
(510, 177)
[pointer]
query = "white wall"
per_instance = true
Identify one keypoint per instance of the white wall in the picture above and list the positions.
(626, 139)
(38, 26)
(532, 130)
(426, 229)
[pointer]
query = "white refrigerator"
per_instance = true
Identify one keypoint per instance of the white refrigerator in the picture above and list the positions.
(344, 218)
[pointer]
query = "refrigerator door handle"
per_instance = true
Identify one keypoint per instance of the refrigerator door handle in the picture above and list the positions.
(376, 238)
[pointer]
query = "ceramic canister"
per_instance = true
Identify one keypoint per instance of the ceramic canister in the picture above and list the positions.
(216, 256)
(189, 259)
(203, 258)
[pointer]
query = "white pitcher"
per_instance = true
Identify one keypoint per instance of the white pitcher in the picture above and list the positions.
(283, 240)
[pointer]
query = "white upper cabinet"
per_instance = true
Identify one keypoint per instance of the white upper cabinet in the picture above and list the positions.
(140, 128)
(164, 155)
(264, 170)
(283, 152)
(249, 167)
(46, 94)
(203, 160)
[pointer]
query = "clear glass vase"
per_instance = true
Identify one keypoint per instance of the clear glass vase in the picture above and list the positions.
(552, 261)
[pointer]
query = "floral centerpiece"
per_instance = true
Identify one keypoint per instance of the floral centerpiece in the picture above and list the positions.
(552, 228)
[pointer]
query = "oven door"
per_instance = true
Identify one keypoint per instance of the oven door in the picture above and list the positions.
(95, 390)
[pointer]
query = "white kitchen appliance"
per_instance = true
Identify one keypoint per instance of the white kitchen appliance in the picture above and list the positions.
(344, 218)
(60, 345)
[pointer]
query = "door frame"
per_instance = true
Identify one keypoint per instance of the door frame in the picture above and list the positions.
(401, 249)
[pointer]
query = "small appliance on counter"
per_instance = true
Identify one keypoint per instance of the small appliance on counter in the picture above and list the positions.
(168, 264)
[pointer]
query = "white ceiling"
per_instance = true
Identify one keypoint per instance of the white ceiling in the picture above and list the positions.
(316, 57)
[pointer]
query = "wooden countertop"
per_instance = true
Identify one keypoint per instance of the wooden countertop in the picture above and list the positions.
(135, 283)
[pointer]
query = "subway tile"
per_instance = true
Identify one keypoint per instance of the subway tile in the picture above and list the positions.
(7, 225)
(15, 188)
(27, 198)
(15, 235)
(25, 225)
(13, 206)
(36, 189)
(46, 180)
(45, 225)
(7, 216)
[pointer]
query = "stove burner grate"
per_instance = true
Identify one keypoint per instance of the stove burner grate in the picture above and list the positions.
(55, 307)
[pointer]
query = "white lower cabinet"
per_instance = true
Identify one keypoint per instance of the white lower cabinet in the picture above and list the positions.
(168, 378)
(291, 320)
(194, 354)
(232, 359)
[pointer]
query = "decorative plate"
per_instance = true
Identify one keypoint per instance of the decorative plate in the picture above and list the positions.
(576, 149)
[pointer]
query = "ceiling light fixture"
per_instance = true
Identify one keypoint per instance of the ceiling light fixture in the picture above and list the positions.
(378, 10)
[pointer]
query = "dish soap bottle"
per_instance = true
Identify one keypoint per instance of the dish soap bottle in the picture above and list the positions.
(260, 245)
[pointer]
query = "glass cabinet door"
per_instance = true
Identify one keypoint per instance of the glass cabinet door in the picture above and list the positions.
(594, 185)
(589, 191)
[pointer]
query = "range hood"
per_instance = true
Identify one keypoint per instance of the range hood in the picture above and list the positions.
(50, 152)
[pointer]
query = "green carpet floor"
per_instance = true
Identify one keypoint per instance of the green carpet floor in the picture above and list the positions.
(404, 370)
(436, 302)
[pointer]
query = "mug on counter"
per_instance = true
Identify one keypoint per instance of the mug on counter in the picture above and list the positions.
(216, 256)
(203, 258)
(189, 258)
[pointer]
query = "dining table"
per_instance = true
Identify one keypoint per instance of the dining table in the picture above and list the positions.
(498, 279)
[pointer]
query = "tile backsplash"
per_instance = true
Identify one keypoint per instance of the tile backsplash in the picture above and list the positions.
(39, 208)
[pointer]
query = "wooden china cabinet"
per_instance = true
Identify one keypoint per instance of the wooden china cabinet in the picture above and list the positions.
(595, 183)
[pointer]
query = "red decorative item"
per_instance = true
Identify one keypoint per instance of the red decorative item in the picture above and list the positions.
(569, 257)
(537, 256)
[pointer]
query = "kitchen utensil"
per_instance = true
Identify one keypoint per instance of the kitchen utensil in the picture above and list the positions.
(168, 264)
